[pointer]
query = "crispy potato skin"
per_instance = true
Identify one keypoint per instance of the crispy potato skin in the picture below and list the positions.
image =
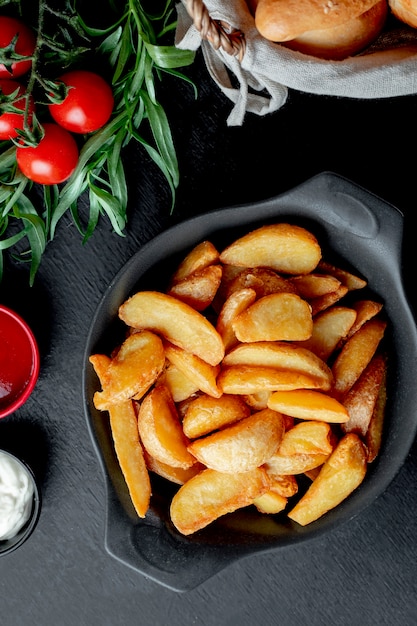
(176, 321)
(243, 446)
(211, 494)
(284, 248)
(123, 424)
(340, 475)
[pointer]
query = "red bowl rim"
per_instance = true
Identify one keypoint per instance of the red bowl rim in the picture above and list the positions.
(21, 399)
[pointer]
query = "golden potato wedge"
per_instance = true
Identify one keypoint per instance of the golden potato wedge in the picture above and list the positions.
(365, 310)
(285, 485)
(373, 438)
(356, 354)
(282, 247)
(235, 304)
(262, 280)
(200, 257)
(206, 414)
(242, 446)
(270, 502)
(329, 328)
(310, 286)
(253, 379)
(198, 289)
(351, 281)
(100, 363)
(198, 371)
(129, 452)
(293, 463)
(211, 494)
(282, 355)
(313, 473)
(177, 475)
(180, 385)
(309, 404)
(308, 437)
(277, 317)
(258, 400)
(321, 303)
(340, 475)
(160, 429)
(361, 399)
(132, 371)
(176, 321)
(228, 275)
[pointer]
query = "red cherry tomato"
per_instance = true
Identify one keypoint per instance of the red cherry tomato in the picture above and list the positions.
(88, 105)
(25, 45)
(53, 160)
(11, 122)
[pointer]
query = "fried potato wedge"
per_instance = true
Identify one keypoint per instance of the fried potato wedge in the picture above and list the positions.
(212, 494)
(309, 404)
(329, 328)
(321, 303)
(282, 247)
(310, 286)
(200, 257)
(235, 304)
(129, 452)
(229, 274)
(176, 475)
(356, 354)
(361, 400)
(180, 385)
(340, 475)
(308, 437)
(282, 355)
(270, 502)
(365, 310)
(198, 289)
(100, 363)
(373, 438)
(252, 379)
(277, 317)
(132, 371)
(242, 446)
(198, 371)
(291, 464)
(176, 321)
(160, 429)
(285, 485)
(351, 281)
(262, 280)
(206, 414)
(258, 400)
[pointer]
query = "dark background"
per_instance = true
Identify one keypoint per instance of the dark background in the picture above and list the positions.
(364, 572)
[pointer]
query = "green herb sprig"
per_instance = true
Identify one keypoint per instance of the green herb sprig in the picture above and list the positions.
(134, 51)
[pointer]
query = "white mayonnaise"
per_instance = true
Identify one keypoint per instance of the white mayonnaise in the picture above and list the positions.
(16, 496)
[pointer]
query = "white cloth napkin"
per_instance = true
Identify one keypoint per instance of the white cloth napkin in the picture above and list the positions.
(267, 70)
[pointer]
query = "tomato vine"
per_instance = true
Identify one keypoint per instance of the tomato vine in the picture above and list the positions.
(134, 48)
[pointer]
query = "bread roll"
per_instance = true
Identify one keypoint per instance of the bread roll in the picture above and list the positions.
(405, 11)
(345, 40)
(284, 20)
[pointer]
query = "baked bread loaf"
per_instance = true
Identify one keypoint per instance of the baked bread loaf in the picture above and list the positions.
(405, 11)
(343, 40)
(284, 20)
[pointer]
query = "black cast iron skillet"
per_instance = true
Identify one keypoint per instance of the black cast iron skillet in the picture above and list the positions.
(358, 231)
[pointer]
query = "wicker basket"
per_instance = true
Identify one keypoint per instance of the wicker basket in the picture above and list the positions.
(255, 74)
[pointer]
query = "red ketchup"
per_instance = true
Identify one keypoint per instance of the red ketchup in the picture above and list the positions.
(19, 361)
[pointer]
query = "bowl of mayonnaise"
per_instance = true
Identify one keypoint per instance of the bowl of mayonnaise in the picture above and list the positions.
(19, 502)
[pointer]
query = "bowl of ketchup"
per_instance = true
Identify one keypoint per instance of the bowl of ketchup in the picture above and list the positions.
(19, 361)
